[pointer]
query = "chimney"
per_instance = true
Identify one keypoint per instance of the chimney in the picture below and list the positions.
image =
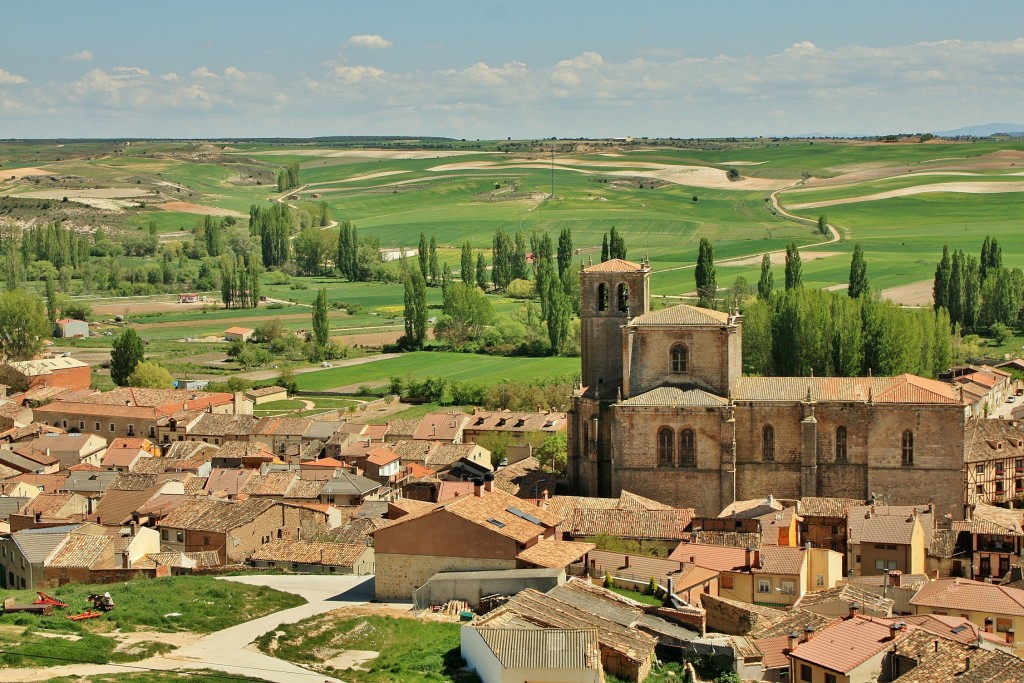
(757, 559)
(125, 564)
(746, 557)
(794, 638)
(489, 482)
(1010, 637)
(988, 624)
(895, 578)
(625, 561)
(854, 609)
(671, 587)
(808, 634)
(894, 629)
(967, 664)
(478, 487)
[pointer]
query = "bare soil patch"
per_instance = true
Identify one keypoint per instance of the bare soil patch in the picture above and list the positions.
(6, 174)
(372, 153)
(914, 294)
(778, 258)
(188, 207)
(132, 307)
(968, 188)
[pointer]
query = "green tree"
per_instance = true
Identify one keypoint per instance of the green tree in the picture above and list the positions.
(321, 329)
(604, 248)
(127, 352)
(707, 286)
(955, 300)
(559, 315)
(823, 224)
(794, 276)
(312, 249)
(415, 310)
(423, 256)
(564, 251)
(501, 259)
(51, 300)
(858, 274)
(466, 311)
(23, 324)
(518, 270)
(552, 454)
(150, 375)
(766, 284)
(435, 272)
(943, 277)
(481, 271)
(466, 264)
(616, 244)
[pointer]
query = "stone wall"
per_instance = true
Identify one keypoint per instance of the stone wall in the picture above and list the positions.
(398, 575)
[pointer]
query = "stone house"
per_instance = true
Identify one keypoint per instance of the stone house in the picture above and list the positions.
(991, 542)
(65, 372)
(889, 538)
(71, 449)
(50, 509)
(315, 557)
(263, 395)
(14, 415)
(486, 530)
(665, 411)
(23, 553)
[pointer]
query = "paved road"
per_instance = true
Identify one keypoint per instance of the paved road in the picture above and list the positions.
(226, 650)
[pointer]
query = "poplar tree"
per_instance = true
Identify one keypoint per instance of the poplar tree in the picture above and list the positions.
(767, 282)
(435, 272)
(518, 260)
(126, 353)
(707, 286)
(943, 277)
(321, 329)
(423, 255)
(564, 251)
(467, 264)
(858, 274)
(51, 300)
(481, 271)
(604, 248)
(794, 276)
(415, 309)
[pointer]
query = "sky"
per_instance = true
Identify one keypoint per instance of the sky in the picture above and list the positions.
(491, 70)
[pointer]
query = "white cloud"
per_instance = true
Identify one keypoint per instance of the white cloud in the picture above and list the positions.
(83, 56)
(357, 74)
(202, 72)
(170, 76)
(7, 78)
(370, 41)
(131, 71)
(235, 74)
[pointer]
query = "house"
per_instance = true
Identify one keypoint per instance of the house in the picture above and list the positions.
(68, 328)
(837, 601)
(13, 415)
(346, 488)
(772, 576)
(263, 395)
(212, 428)
(651, 528)
(235, 529)
(23, 553)
(686, 581)
(850, 649)
(50, 509)
(442, 427)
(382, 464)
(128, 411)
(983, 387)
(99, 557)
(150, 447)
(523, 430)
(485, 530)
(281, 433)
(242, 334)
(990, 606)
(188, 298)
(889, 537)
(66, 373)
(994, 463)
(519, 655)
(439, 455)
(990, 541)
(314, 557)
(824, 521)
(69, 449)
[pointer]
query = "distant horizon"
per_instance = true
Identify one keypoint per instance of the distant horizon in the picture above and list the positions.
(487, 71)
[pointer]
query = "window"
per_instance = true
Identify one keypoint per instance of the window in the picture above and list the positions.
(111, 426)
(806, 676)
(602, 297)
(768, 443)
(725, 580)
(131, 430)
(1019, 464)
(764, 586)
(81, 425)
(890, 565)
(840, 444)
(830, 678)
(164, 535)
(206, 540)
(819, 580)
(980, 489)
(180, 535)
(623, 297)
(788, 587)
(64, 423)
(680, 358)
(1003, 625)
(97, 426)
(908, 448)
(979, 469)
(687, 448)
(880, 564)
(665, 454)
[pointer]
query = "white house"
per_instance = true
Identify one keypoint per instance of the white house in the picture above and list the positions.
(524, 655)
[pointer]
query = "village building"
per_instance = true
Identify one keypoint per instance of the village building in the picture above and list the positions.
(853, 649)
(994, 608)
(14, 415)
(314, 557)
(262, 395)
(990, 542)
(69, 328)
(519, 655)
(665, 411)
(241, 334)
(889, 538)
(65, 372)
(128, 411)
(994, 463)
(69, 449)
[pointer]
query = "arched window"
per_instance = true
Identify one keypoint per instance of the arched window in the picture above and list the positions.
(623, 297)
(687, 448)
(602, 297)
(680, 358)
(908, 448)
(666, 456)
(840, 444)
(768, 443)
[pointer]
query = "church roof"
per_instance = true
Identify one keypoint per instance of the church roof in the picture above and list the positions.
(674, 396)
(615, 265)
(682, 315)
(899, 389)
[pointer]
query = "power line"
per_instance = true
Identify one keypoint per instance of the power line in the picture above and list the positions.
(176, 671)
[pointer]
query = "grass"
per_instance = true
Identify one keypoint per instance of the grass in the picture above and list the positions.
(410, 650)
(191, 675)
(204, 603)
(277, 407)
(637, 596)
(452, 366)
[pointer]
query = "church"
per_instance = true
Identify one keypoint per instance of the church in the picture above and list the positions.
(664, 411)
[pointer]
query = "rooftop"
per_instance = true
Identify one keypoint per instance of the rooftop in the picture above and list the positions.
(963, 594)
(310, 552)
(683, 314)
(615, 265)
(554, 554)
(543, 648)
(906, 389)
(845, 644)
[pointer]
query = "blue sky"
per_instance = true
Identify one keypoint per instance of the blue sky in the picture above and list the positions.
(498, 69)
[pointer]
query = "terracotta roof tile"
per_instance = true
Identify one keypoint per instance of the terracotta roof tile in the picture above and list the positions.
(668, 525)
(673, 396)
(963, 594)
(310, 552)
(215, 515)
(554, 554)
(82, 551)
(615, 265)
(827, 507)
(900, 389)
(682, 314)
(847, 643)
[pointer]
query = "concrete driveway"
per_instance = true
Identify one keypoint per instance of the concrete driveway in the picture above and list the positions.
(227, 650)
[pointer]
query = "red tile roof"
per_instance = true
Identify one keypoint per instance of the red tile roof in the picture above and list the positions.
(963, 594)
(615, 265)
(845, 644)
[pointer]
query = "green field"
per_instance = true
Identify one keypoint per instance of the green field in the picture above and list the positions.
(461, 367)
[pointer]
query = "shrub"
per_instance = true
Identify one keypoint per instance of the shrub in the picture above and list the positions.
(609, 582)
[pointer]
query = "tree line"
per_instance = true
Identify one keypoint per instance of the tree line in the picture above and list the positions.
(978, 291)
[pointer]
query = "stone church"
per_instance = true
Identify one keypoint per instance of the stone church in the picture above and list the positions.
(665, 411)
